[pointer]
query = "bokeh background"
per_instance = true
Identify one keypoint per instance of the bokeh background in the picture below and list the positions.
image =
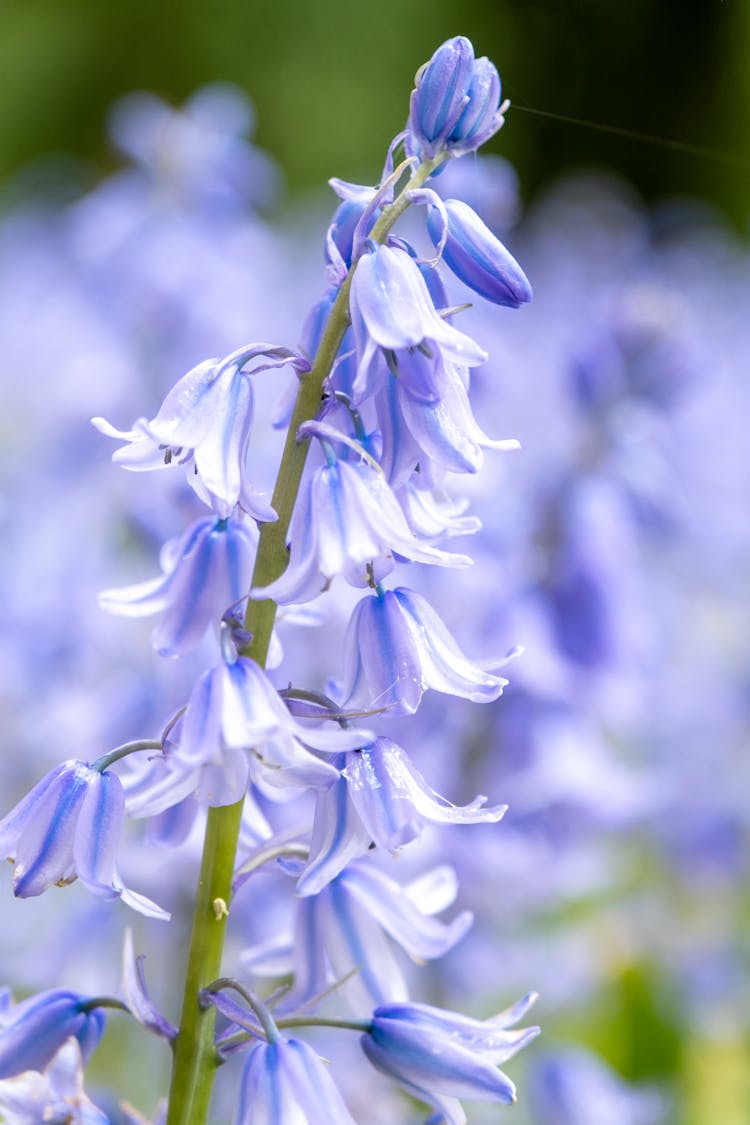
(617, 548)
(327, 80)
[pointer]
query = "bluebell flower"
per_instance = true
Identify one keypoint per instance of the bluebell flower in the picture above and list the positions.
(476, 256)
(32, 1032)
(205, 571)
(54, 1095)
(397, 647)
(440, 436)
(396, 327)
(353, 921)
(395, 802)
(67, 827)
(346, 517)
(287, 1083)
(440, 1057)
(204, 423)
(236, 726)
(380, 799)
(455, 106)
(573, 1086)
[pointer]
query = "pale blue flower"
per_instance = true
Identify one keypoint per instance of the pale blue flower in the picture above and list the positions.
(397, 647)
(55, 1095)
(287, 1083)
(395, 802)
(396, 327)
(32, 1032)
(346, 517)
(439, 1056)
(440, 436)
(204, 423)
(353, 922)
(205, 571)
(67, 827)
(236, 728)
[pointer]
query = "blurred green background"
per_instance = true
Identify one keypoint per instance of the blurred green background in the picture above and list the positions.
(328, 79)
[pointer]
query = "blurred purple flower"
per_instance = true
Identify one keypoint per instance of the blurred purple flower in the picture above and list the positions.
(33, 1031)
(54, 1095)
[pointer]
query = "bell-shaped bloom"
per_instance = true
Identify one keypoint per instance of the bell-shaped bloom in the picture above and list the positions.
(440, 1057)
(54, 1095)
(396, 326)
(204, 423)
(68, 827)
(476, 256)
(346, 517)
(353, 923)
(287, 1083)
(455, 106)
(440, 436)
(32, 1032)
(380, 799)
(397, 647)
(395, 802)
(205, 571)
(236, 727)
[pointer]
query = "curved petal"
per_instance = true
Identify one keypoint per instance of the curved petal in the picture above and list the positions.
(423, 937)
(442, 664)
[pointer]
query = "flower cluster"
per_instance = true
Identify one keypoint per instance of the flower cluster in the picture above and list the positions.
(380, 421)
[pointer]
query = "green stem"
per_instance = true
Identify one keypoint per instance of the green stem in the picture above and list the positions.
(195, 1057)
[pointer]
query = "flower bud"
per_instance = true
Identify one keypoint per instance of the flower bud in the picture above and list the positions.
(477, 257)
(455, 106)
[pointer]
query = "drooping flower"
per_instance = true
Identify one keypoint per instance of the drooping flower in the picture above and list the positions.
(440, 1057)
(455, 105)
(67, 827)
(397, 328)
(381, 799)
(287, 1083)
(236, 727)
(477, 256)
(440, 436)
(204, 423)
(205, 571)
(353, 922)
(32, 1032)
(397, 647)
(395, 802)
(54, 1095)
(346, 517)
